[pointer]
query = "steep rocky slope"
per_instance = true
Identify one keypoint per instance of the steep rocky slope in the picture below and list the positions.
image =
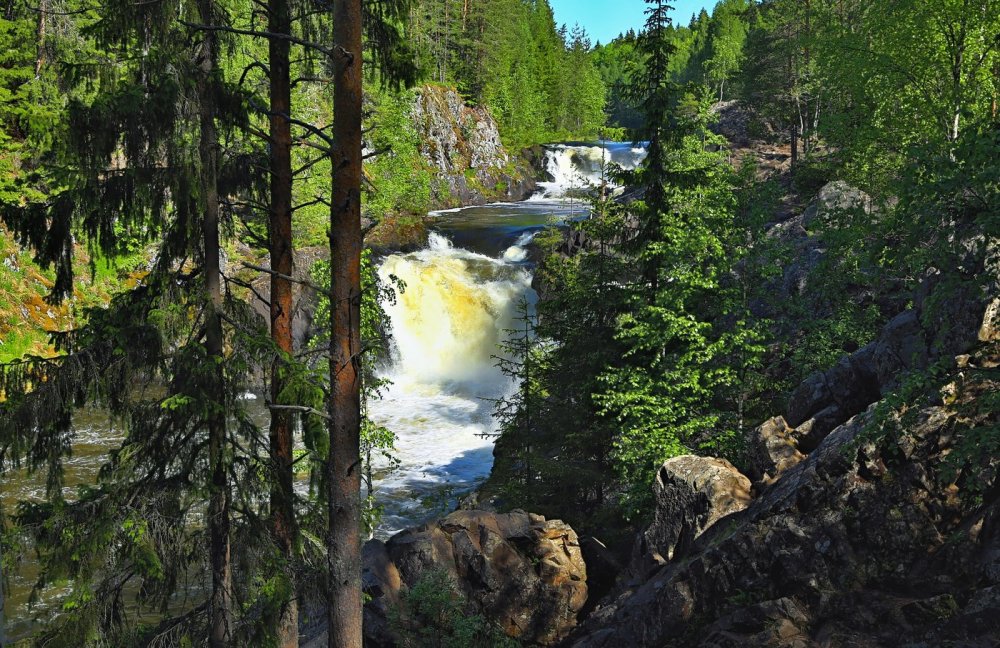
(853, 538)
(462, 144)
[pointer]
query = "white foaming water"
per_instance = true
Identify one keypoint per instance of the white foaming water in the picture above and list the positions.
(518, 252)
(579, 167)
(446, 325)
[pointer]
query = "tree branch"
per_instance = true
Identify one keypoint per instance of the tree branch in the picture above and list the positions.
(301, 409)
(302, 282)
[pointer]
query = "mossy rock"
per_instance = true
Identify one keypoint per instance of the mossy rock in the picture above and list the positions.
(399, 233)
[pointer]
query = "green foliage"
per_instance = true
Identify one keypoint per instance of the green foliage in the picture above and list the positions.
(433, 613)
(726, 37)
(31, 104)
(906, 73)
(539, 82)
(403, 179)
(708, 52)
(616, 61)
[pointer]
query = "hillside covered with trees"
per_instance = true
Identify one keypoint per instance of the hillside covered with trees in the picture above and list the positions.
(754, 376)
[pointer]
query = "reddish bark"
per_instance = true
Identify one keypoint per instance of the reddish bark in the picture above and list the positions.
(344, 464)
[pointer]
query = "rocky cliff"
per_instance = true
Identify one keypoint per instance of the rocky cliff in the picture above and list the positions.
(462, 145)
(868, 518)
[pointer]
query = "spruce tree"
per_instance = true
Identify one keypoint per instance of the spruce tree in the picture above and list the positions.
(662, 390)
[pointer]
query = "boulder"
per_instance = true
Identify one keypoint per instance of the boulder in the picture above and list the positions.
(772, 450)
(518, 570)
(836, 199)
(851, 385)
(692, 493)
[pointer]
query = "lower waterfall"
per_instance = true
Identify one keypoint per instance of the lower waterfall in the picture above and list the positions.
(453, 311)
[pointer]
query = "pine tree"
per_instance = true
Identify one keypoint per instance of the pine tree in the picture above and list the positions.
(282, 496)
(343, 467)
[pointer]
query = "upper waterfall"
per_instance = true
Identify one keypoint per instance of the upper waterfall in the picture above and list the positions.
(581, 167)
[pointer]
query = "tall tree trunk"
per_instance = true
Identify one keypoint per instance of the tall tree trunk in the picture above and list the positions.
(220, 605)
(795, 147)
(447, 39)
(3, 634)
(282, 495)
(958, 63)
(43, 12)
(343, 467)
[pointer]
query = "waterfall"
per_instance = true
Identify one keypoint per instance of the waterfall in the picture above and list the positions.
(452, 313)
(446, 324)
(578, 168)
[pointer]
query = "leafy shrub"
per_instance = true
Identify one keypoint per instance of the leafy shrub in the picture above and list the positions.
(433, 613)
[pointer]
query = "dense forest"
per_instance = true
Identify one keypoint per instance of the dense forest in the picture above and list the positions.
(899, 100)
(813, 230)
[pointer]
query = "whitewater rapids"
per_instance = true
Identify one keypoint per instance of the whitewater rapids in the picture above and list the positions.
(454, 311)
(581, 168)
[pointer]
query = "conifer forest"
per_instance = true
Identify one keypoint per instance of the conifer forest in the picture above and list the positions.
(462, 324)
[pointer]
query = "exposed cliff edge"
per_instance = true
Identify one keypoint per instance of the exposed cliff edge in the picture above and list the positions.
(462, 145)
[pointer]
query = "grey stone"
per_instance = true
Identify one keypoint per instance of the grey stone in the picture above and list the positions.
(692, 493)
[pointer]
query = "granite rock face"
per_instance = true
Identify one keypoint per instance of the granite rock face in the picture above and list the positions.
(462, 144)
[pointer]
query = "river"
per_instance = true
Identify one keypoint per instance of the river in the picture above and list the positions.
(462, 294)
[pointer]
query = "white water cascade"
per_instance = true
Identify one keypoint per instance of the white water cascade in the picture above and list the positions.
(446, 325)
(578, 168)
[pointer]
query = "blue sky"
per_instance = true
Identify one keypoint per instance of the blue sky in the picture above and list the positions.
(605, 19)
